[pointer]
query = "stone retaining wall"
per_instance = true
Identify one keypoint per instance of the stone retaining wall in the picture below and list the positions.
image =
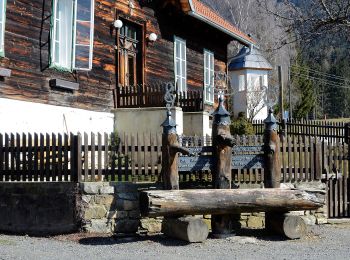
(109, 207)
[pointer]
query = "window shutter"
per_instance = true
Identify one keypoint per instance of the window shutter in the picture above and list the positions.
(83, 34)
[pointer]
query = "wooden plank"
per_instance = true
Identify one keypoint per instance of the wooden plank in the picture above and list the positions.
(2, 152)
(53, 157)
(78, 151)
(152, 157)
(66, 157)
(7, 152)
(301, 165)
(23, 158)
(59, 157)
(295, 158)
(47, 157)
(93, 154)
(139, 156)
(106, 158)
(283, 159)
(336, 198)
(17, 155)
(330, 198)
(113, 156)
(86, 157)
(159, 155)
(127, 157)
(307, 158)
(312, 158)
(146, 143)
(99, 156)
(133, 159)
(30, 157)
(42, 157)
(120, 160)
(36, 157)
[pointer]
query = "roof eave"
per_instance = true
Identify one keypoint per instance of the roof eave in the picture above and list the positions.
(235, 36)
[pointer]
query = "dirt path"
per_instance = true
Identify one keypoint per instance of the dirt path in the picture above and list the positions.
(323, 242)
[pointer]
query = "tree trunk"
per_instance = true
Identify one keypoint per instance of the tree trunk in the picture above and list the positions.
(189, 229)
(196, 202)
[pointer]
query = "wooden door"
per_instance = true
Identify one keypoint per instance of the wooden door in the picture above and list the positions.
(130, 55)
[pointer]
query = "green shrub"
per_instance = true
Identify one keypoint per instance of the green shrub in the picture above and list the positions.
(241, 126)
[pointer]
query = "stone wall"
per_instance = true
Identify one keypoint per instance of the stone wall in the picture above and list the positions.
(109, 207)
(38, 208)
(114, 208)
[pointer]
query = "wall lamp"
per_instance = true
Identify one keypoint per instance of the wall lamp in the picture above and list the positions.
(118, 24)
(152, 37)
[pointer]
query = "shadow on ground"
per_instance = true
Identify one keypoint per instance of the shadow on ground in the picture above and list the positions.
(259, 234)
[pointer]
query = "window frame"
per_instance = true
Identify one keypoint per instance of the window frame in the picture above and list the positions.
(92, 31)
(183, 62)
(211, 69)
(241, 87)
(2, 43)
(53, 63)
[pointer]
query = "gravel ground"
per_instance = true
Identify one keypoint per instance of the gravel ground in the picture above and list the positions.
(323, 242)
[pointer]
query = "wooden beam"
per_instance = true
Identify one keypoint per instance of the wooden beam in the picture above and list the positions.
(227, 201)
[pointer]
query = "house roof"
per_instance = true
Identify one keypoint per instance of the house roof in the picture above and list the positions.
(249, 59)
(203, 12)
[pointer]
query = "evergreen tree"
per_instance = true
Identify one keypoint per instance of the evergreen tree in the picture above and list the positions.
(306, 90)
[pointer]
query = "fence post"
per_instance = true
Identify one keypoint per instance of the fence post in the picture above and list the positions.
(222, 152)
(272, 150)
(347, 133)
(76, 159)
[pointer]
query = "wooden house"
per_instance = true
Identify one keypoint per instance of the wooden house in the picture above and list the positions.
(73, 65)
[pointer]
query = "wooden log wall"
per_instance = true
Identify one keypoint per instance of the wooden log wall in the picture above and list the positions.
(27, 52)
(27, 37)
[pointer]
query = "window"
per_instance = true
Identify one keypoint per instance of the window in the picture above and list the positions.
(208, 76)
(130, 54)
(2, 25)
(72, 34)
(241, 83)
(180, 64)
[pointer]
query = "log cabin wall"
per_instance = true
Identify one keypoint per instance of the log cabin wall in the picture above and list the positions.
(27, 37)
(27, 51)
(158, 64)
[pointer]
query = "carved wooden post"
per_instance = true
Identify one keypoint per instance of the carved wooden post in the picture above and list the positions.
(272, 151)
(188, 228)
(222, 152)
(170, 172)
(278, 222)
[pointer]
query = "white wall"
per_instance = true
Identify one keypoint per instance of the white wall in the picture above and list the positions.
(197, 123)
(145, 120)
(252, 81)
(21, 116)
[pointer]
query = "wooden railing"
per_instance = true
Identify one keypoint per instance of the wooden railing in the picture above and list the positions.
(153, 96)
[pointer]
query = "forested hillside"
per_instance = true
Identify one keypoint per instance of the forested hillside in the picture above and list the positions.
(309, 38)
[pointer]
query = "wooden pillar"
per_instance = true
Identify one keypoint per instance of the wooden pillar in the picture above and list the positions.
(170, 150)
(185, 228)
(222, 152)
(272, 150)
(280, 222)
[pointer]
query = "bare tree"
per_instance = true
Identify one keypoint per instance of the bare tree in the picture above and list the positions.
(255, 102)
(306, 20)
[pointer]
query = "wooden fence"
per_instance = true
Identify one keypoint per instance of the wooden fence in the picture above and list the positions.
(153, 96)
(326, 130)
(98, 157)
